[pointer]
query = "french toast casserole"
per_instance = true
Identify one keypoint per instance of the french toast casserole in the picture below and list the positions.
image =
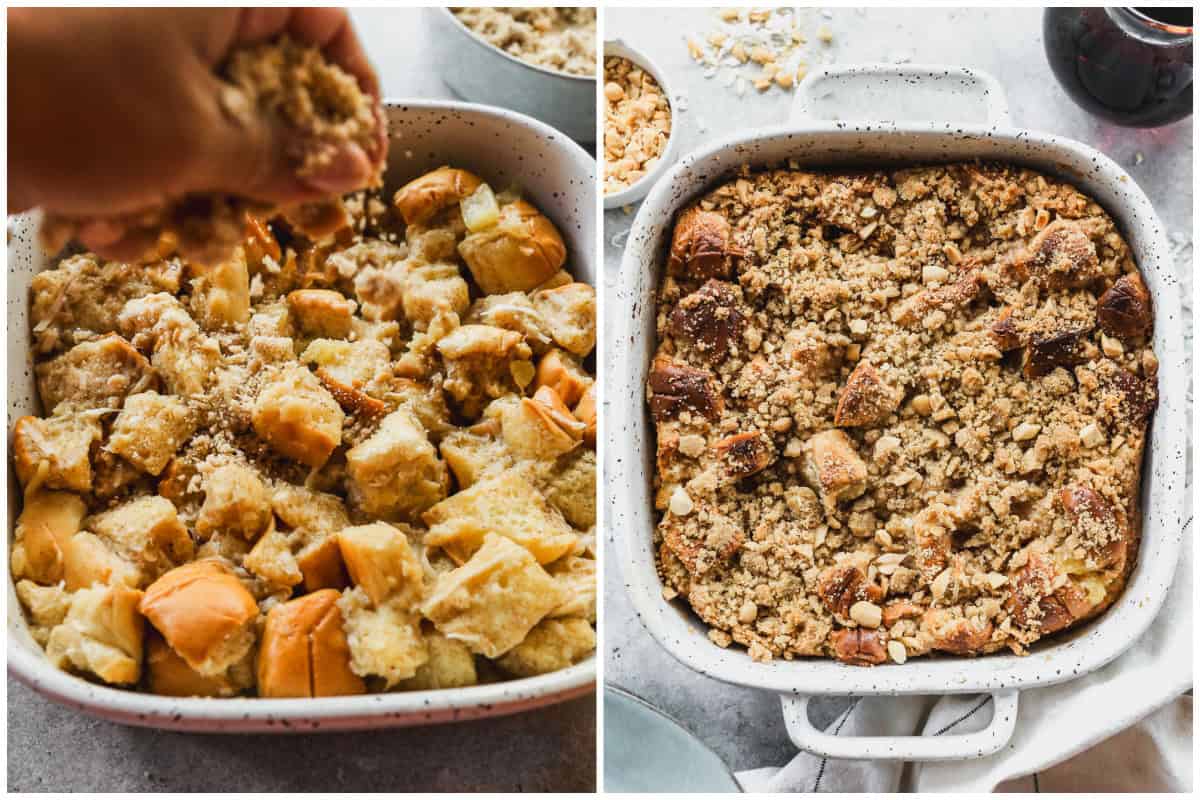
(325, 465)
(898, 412)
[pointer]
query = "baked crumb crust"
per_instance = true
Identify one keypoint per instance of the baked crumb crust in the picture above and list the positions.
(898, 412)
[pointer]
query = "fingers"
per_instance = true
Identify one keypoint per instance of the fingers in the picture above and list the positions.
(330, 30)
(115, 242)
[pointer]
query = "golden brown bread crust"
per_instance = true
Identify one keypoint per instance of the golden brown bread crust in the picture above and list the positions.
(304, 652)
(523, 251)
(950, 374)
(198, 608)
(422, 198)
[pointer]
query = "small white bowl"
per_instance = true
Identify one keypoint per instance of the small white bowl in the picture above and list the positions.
(618, 48)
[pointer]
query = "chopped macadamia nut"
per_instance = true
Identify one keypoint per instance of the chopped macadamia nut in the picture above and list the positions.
(637, 123)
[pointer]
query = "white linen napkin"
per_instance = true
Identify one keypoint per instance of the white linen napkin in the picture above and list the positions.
(1125, 727)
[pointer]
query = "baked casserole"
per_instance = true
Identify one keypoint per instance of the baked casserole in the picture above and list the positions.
(898, 412)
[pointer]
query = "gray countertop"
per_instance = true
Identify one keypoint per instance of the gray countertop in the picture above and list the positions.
(51, 748)
(744, 726)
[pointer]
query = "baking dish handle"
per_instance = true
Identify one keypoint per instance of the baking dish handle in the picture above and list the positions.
(950, 747)
(900, 93)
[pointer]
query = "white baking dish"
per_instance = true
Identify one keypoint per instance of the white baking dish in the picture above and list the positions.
(980, 130)
(483, 73)
(504, 148)
(620, 49)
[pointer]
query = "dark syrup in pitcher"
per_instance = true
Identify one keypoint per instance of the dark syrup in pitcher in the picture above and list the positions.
(1132, 66)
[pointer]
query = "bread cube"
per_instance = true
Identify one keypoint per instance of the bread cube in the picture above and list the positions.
(312, 512)
(422, 400)
(521, 251)
(304, 651)
(272, 560)
(221, 293)
(272, 320)
(170, 675)
(298, 417)
(315, 519)
(354, 364)
(578, 576)
(570, 485)
(46, 524)
(701, 245)
(1062, 256)
(95, 374)
(382, 563)
(82, 296)
(47, 606)
(183, 356)
(494, 600)
(235, 501)
(513, 312)
(507, 505)
(451, 664)
(320, 561)
(833, 468)
(541, 427)
(396, 470)
(570, 315)
(101, 635)
(88, 561)
(479, 361)
(322, 313)
(113, 475)
(473, 456)
(867, 399)
(553, 644)
(205, 613)
(585, 412)
(432, 290)
(561, 372)
(150, 429)
(421, 199)
(54, 452)
(385, 640)
(147, 532)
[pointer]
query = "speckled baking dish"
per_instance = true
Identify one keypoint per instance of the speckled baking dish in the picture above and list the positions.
(504, 148)
(914, 102)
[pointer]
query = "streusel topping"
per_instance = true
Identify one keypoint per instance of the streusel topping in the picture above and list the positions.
(898, 412)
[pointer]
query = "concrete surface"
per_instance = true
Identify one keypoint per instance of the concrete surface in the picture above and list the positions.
(745, 727)
(52, 749)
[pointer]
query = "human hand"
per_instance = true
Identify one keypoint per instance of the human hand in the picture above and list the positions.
(114, 111)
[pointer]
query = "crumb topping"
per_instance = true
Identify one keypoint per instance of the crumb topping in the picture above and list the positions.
(898, 412)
